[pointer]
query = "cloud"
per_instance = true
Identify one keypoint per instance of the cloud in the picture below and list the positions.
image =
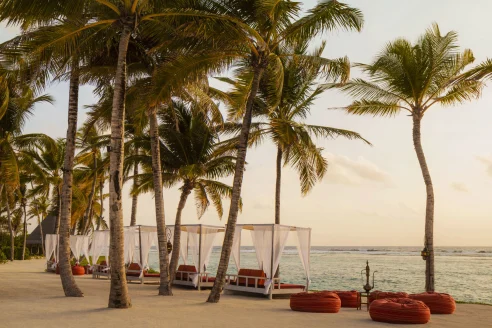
(459, 186)
(344, 170)
(488, 163)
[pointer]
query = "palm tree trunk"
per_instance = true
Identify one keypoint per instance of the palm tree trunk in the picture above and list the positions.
(133, 220)
(11, 230)
(88, 210)
(59, 201)
(214, 296)
(429, 211)
(42, 234)
(165, 286)
(25, 231)
(101, 201)
(39, 222)
(65, 199)
(278, 185)
(118, 294)
(177, 231)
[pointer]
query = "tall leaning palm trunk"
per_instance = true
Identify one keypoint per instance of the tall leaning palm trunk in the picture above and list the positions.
(133, 219)
(101, 202)
(65, 205)
(165, 283)
(90, 201)
(58, 213)
(118, 295)
(11, 229)
(214, 297)
(278, 184)
(24, 233)
(429, 209)
(185, 192)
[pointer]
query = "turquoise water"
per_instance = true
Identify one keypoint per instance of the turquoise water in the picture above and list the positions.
(465, 273)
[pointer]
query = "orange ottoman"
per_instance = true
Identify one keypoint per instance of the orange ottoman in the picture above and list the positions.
(78, 270)
(349, 299)
(399, 310)
(438, 303)
(377, 295)
(323, 302)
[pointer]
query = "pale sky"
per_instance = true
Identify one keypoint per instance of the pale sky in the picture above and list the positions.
(372, 196)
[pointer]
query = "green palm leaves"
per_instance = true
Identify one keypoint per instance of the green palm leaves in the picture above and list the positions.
(414, 77)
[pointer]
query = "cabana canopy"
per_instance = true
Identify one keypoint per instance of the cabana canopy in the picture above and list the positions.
(269, 241)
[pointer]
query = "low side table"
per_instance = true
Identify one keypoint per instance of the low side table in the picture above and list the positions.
(360, 303)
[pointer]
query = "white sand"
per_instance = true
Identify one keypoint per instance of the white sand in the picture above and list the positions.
(31, 298)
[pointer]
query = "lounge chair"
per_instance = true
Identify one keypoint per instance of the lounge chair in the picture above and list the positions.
(51, 265)
(187, 275)
(253, 281)
(101, 270)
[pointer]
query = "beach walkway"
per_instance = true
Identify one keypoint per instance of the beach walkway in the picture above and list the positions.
(30, 297)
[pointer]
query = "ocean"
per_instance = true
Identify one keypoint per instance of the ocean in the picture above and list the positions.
(463, 272)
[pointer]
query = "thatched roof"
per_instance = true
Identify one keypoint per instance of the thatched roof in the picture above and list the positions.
(48, 227)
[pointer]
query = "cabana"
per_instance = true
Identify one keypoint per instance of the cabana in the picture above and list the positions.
(100, 247)
(200, 239)
(269, 241)
(51, 245)
(79, 246)
(138, 243)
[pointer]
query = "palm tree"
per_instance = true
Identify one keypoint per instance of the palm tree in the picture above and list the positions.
(189, 158)
(258, 29)
(412, 78)
(38, 208)
(284, 124)
(17, 103)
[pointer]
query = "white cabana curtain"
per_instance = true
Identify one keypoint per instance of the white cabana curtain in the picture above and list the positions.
(236, 247)
(100, 245)
(183, 246)
(51, 246)
(79, 245)
(281, 235)
(262, 241)
(130, 243)
(148, 239)
(303, 248)
(193, 238)
(208, 238)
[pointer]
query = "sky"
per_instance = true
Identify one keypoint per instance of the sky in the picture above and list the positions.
(370, 196)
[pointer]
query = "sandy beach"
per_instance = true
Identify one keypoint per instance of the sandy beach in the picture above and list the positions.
(30, 297)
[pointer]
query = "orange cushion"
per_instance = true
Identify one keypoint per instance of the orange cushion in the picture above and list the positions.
(134, 266)
(399, 310)
(438, 303)
(251, 273)
(184, 268)
(315, 302)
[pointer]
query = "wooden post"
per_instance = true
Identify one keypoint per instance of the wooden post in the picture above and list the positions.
(200, 258)
(272, 284)
(140, 249)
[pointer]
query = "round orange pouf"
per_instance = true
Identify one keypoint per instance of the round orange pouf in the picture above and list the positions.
(78, 270)
(323, 302)
(399, 310)
(377, 295)
(438, 303)
(349, 299)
